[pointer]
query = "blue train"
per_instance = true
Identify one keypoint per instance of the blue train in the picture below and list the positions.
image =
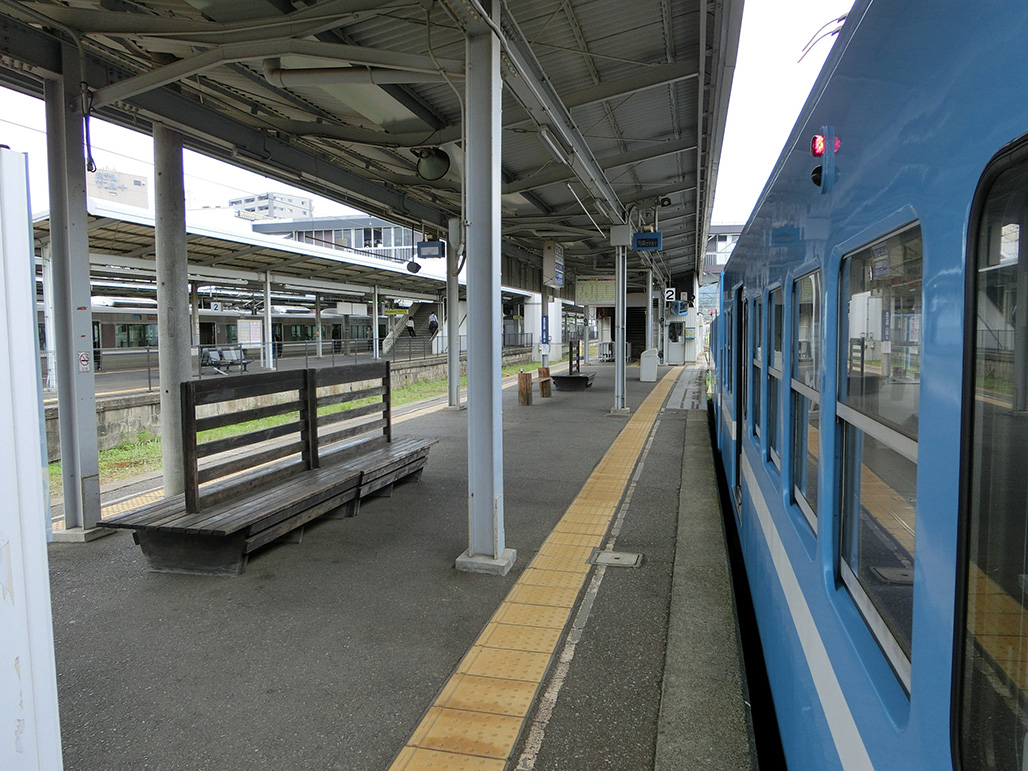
(871, 397)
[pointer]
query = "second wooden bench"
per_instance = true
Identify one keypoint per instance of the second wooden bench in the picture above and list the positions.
(299, 444)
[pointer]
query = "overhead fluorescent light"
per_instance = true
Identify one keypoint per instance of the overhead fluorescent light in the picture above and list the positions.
(557, 150)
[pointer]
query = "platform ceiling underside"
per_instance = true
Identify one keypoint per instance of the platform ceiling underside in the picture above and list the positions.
(610, 108)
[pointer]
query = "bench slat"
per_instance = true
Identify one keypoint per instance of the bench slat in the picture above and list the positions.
(245, 416)
(354, 412)
(350, 396)
(244, 440)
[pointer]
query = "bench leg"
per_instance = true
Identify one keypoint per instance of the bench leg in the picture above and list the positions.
(196, 554)
(293, 536)
(347, 510)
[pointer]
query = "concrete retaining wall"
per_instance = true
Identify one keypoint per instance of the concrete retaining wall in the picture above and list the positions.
(123, 419)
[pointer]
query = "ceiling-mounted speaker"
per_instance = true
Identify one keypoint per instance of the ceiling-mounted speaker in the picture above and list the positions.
(433, 163)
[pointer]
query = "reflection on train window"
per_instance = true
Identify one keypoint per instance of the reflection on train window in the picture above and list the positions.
(729, 350)
(774, 380)
(881, 336)
(135, 335)
(879, 383)
(806, 399)
(994, 715)
(758, 362)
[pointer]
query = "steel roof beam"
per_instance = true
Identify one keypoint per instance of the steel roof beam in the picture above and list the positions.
(238, 52)
(558, 175)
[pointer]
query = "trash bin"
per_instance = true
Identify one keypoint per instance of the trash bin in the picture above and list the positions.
(648, 366)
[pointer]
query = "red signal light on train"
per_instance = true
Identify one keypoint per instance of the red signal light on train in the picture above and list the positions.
(817, 145)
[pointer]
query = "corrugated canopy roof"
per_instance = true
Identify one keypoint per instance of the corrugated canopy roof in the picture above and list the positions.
(340, 96)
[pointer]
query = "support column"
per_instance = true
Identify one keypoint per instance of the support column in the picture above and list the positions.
(72, 315)
(590, 314)
(173, 342)
(487, 551)
(544, 326)
(620, 311)
(49, 327)
(317, 326)
(194, 310)
(452, 329)
(649, 309)
(269, 336)
(375, 342)
(28, 674)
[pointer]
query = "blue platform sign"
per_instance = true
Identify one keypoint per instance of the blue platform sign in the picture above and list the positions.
(647, 242)
(546, 330)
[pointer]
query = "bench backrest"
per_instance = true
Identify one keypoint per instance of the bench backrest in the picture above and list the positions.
(251, 431)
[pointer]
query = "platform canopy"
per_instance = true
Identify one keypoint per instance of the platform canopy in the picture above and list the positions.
(612, 112)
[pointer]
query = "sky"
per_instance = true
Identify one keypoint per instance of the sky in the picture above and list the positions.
(768, 90)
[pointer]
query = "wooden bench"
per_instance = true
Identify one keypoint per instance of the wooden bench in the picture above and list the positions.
(525, 381)
(322, 441)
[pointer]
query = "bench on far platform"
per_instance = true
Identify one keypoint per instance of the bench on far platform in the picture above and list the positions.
(267, 453)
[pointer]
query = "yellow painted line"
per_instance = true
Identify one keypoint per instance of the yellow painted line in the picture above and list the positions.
(479, 714)
(117, 508)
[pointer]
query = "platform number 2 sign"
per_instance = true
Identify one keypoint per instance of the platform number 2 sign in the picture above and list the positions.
(669, 295)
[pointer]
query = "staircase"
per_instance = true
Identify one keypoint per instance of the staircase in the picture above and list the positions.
(635, 330)
(406, 347)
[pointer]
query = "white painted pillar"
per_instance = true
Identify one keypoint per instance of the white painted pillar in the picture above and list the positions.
(375, 342)
(31, 735)
(452, 328)
(317, 326)
(69, 236)
(173, 344)
(49, 328)
(487, 551)
(620, 311)
(649, 309)
(269, 337)
(194, 309)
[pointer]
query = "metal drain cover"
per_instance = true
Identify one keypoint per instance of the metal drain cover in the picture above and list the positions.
(617, 559)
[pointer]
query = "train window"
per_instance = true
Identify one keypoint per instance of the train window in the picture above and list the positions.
(758, 362)
(879, 384)
(806, 398)
(994, 693)
(774, 380)
(135, 335)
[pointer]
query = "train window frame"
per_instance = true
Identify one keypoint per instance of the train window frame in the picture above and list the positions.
(985, 458)
(808, 389)
(871, 434)
(775, 367)
(757, 364)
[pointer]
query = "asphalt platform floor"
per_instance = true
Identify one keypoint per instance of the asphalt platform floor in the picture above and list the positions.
(326, 654)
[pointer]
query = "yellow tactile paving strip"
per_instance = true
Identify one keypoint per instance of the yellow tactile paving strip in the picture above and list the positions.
(479, 714)
(119, 506)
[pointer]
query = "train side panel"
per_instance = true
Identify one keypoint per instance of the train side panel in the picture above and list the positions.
(921, 96)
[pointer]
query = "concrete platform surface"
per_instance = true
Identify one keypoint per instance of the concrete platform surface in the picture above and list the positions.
(328, 653)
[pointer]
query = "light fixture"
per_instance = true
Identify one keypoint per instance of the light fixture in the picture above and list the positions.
(433, 163)
(413, 267)
(552, 144)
